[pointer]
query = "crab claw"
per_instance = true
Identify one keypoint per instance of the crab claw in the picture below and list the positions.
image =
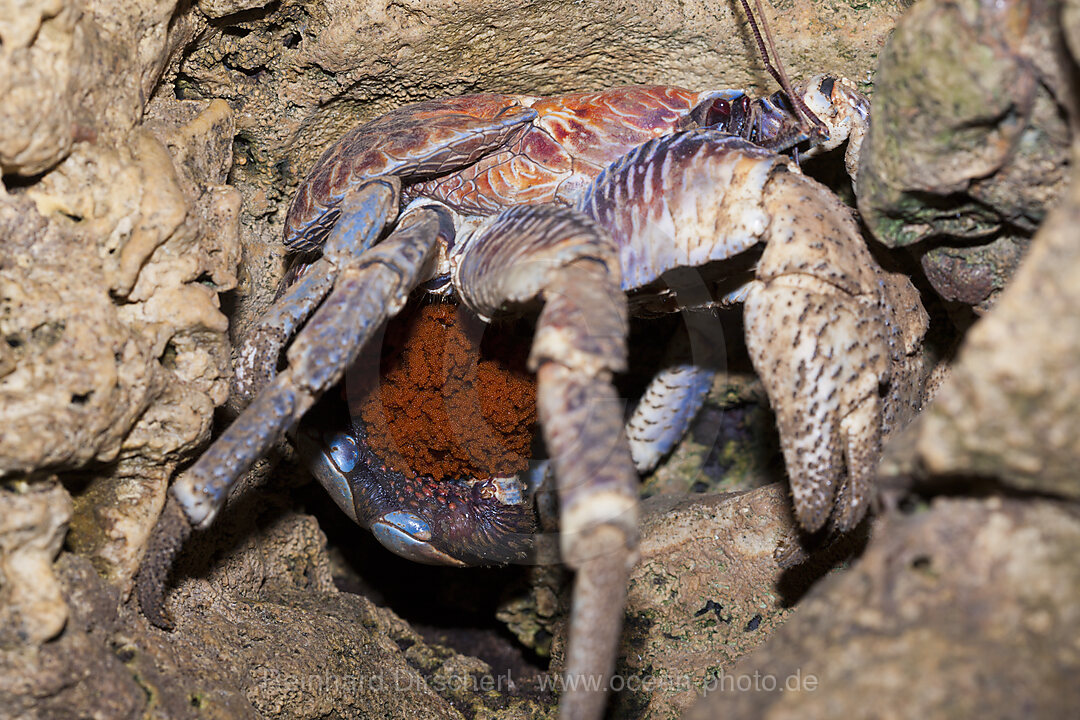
(825, 337)
(477, 521)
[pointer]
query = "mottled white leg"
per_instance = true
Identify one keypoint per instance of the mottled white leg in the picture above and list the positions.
(666, 409)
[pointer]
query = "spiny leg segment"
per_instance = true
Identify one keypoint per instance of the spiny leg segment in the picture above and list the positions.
(368, 287)
(572, 264)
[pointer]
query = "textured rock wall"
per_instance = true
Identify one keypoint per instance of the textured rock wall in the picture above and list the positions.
(965, 609)
(1007, 411)
(117, 234)
(969, 148)
(1009, 408)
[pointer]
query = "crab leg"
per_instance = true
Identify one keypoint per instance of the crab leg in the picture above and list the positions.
(668, 406)
(826, 335)
(562, 256)
(678, 391)
(821, 328)
(367, 290)
(257, 360)
(312, 368)
(665, 411)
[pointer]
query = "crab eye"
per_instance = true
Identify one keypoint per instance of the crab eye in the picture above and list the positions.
(719, 112)
(712, 113)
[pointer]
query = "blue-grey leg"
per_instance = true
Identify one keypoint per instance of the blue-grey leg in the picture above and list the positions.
(369, 287)
(564, 258)
(258, 354)
(257, 357)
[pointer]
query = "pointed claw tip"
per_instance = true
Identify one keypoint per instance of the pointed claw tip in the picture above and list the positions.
(407, 535)
(849, 517)
(810, 516)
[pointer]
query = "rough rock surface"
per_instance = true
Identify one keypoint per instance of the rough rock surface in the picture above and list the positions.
(263, 633)
(965, 609)
(33, 521)
(968, 149)
(111, 273)
(1009, 408)
(118, 232)
(706, 590)
(43, 49)
(79, 72)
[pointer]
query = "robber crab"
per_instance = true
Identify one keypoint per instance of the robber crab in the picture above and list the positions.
(576, 201)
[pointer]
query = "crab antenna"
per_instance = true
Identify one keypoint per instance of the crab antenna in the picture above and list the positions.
(777, 71)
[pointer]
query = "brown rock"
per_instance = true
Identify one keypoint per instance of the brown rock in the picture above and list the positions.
(968, 149)
(966, 610)
(261, 633)
(32, 526)
(1009, 408)
(704, 592)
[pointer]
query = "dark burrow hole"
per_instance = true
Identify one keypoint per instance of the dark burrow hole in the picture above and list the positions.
(229, 23)
(168, 356)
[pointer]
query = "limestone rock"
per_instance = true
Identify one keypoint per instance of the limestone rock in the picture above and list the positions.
(118, 235)
(261, 633)
(705, 591)
(967, 609)
(968, 149)
(1009, 408)
(32, 526)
